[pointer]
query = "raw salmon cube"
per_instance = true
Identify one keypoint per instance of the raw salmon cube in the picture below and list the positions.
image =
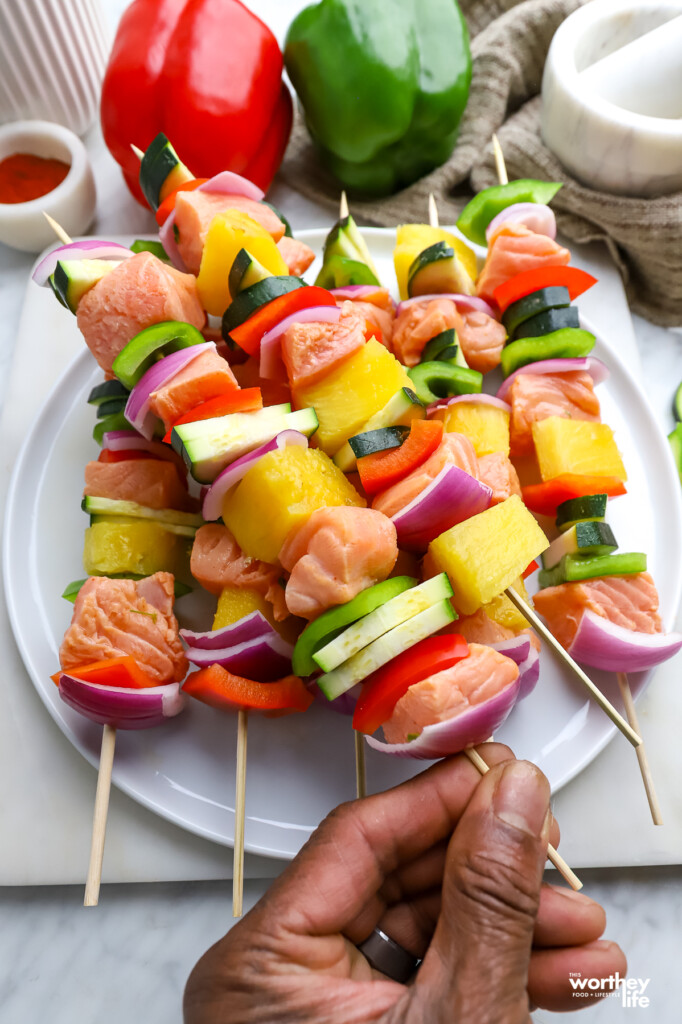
(195, 210)
(534, 397)
(514, 249)
(151, 482)
(207, 376)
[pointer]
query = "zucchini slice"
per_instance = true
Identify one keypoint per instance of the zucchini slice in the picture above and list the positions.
(245, 271)
(401, 408)
(339, 271)
(589, 508)
(437, 269)
(547, 322)
(111, 507)
(161, 171)
(73, 278)
(380, 440)
(106, 391)
(251, 299)
(537, 302)
(585, 538)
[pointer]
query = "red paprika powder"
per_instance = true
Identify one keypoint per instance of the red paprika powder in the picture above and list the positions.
(24, 176)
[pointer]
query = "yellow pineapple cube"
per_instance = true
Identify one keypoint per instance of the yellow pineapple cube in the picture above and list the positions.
(229, 232)
(346, 398)
(279, 493)
(563, 445)
(236, 603)
(486, 426)
(486, 553)
(502, 611)
(138, 548)
(411, 239)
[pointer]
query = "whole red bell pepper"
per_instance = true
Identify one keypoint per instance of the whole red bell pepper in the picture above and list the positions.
(207, 73)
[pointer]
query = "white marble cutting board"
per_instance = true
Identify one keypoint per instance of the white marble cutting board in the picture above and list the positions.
(46, 790)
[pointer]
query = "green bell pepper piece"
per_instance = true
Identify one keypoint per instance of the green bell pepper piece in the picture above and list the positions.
(150, 345)
(329, 624)
(573, 568)
(567, 343)
(675, 439)
(149, 245)
(435, 380)
(476, 215)
(383, 86)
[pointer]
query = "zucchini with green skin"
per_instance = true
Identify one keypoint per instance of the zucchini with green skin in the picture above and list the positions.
(345, 239)
(555, 297)
(437, 270)
(340, 271)
(584, 538)
(106, 391)
(677, 404)
(573, 568)
(251, 299)
(278, 213)
(334, 621)
(403, 407)
(181, 531)
(161, 171)
(437, 379)
(588, 508)
(547, 322)
(245, 271)
(380, 440)
(73, 278)
(111, 407)
(110, 507)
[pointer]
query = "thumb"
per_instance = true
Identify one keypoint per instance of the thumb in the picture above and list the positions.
(477, 965)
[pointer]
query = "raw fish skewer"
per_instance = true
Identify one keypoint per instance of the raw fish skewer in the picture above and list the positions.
(647, 779)
(106, 757)
(555, 858)
(239, 809)
(360, 774)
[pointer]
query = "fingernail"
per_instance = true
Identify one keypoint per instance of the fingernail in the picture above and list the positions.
(521, 798)
(571, 894)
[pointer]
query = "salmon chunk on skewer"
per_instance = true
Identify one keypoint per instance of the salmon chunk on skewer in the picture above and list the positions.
(534, 397)
(514, 249)
(151, 482)
(195, 210)
(455, 449)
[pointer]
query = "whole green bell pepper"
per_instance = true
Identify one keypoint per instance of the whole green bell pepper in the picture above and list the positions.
(383, 86)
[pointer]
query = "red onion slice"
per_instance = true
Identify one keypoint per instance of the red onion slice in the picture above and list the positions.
(450, 498)
(602, 644)
(248, 628)
(526, 656)
(227, 183)
(167, 239)
(475, 725)
(213, 499)
(122, 707)
(137, 407)
(264, 658)
(270, 346)
(464, 303)
(130, 440)
(473, 399)
(345, 703)
(89, 249)
(597, 370)
(536, 217)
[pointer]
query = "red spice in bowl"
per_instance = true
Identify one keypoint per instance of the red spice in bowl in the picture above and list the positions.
(24, 176)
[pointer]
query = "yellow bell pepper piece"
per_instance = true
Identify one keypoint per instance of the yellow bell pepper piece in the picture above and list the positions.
(229, 232)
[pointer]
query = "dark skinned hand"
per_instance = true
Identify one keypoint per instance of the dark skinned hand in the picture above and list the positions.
(449, 865)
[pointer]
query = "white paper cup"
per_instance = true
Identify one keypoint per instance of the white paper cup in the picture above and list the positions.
(52, 59)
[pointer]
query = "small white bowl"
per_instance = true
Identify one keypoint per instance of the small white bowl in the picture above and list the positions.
(71, 203)
(611, 134)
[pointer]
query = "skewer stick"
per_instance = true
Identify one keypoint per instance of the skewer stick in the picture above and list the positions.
(99, 818)
(647, 779)
(343, 206)
(239, 806)
(593, 690)
(360, 777)
(499, 161)
(58, 229)
(433, 211)
(106, 757)
(555, 858)
(139, 153)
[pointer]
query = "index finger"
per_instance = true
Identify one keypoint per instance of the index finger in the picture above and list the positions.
(344, 863)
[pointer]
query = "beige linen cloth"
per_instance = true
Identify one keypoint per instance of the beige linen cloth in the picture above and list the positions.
(509, 43)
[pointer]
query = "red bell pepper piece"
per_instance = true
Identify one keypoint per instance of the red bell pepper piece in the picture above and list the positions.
(168, 205)
(530, 569)
(517, 287)
(383, 689)
(228, 692)
(240, 400)
(123, 671)
(249, 334)
(544, 498)
(126, 455)
(207, 73)
(383, 469)
(372, 331)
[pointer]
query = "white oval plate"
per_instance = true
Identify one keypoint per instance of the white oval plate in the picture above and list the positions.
(301, 766)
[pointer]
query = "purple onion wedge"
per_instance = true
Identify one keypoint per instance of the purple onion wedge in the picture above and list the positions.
(521, 650)
(451, 497)
(249, 628)
(88, 249)
(137, 410)
(265, 658)
(122, 707)
(602, 644)
(536, 217)
(479, 399)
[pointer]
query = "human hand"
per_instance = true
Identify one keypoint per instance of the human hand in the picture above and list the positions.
(450, 866)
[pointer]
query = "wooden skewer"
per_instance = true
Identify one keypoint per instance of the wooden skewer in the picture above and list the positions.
(556, 859)
(139, 153)
(106, 757)
(647, 778)
(99, 818)
(500, 165)
(343, 206)
(58, 229)
(239, 808)
(433, 211)
(360, 776)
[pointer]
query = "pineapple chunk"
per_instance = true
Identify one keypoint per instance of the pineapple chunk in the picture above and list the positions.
(279, 493)
(576, 446)
(411, 239)
(485, 554)
(135, 549)
(346, 398)
(486, 426)
(229, 232)
(235, 603)
(501, 610)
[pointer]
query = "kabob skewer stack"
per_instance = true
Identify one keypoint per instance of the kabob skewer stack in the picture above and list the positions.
(409, 603)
